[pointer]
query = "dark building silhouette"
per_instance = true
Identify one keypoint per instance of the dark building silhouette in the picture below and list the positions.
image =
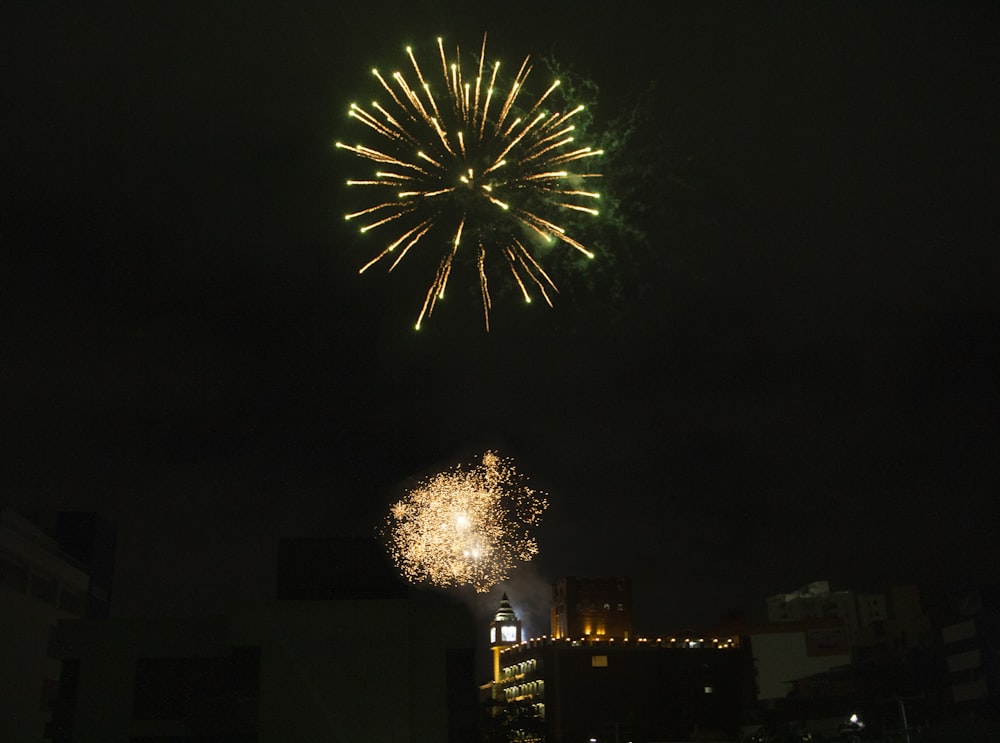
(347, 651)
(970, 637)
(42, 580)
(91, 540)
(195, 678)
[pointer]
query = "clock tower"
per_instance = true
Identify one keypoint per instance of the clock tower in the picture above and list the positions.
(505, 631)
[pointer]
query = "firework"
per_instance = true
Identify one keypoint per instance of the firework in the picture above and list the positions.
(460, 163)
(465, 526)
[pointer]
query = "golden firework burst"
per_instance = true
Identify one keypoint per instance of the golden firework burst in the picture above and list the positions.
(457, 162)
(465, 526)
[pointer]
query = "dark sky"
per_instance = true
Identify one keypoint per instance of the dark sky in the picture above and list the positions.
(787, 371)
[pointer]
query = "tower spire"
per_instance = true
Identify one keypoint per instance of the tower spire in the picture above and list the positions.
(505, 631)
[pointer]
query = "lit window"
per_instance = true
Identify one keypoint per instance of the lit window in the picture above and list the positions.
(708, 689)
(599, 661)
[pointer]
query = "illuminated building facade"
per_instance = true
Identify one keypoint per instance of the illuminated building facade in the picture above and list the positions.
(585, 607)
(604, 684)
(505, 632)
(638, 690)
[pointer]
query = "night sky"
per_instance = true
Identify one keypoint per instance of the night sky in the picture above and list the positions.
(786, 369)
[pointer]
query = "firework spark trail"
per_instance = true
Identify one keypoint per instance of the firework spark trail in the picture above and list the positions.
(465, 526)
(466, 171)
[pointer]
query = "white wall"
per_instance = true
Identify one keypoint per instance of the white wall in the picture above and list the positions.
(781, 657)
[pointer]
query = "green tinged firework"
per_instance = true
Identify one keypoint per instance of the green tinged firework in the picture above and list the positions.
(463, 166)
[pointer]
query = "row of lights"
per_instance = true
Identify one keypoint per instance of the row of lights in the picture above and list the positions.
(726, 642)
(590, 639)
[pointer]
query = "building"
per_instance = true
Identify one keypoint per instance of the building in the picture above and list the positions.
(505, 632)
(346, 651)
(786, 651)
(914, 662)
(582, 607)
(608, 685)
(815, 600)
(91, 540)
(158, 679)
(971, 648)
(39, 585)
(638, 690)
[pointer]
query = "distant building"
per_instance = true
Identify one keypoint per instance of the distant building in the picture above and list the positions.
(803, 656)
(815, 600)
(909, 618)
(39, 585)
(582, 607)
(346, 652)
(786, 651)
(895, 671)
(971, 646)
